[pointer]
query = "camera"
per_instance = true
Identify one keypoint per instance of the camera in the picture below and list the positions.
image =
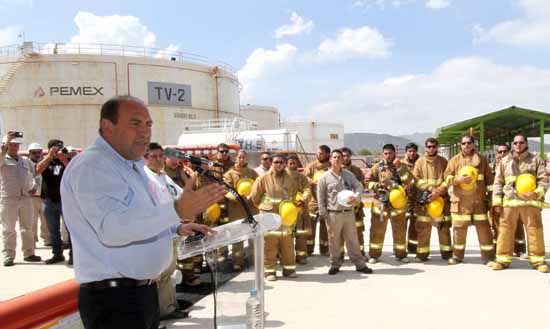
(424, 197)
(16, 134)
(62, 148)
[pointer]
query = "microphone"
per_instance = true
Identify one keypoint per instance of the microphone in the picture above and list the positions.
(175, 153)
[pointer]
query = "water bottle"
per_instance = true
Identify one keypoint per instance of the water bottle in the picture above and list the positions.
(253, 313)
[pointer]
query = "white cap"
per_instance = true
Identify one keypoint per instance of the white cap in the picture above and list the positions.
(15, 140)
(34, 146)
(71, 149)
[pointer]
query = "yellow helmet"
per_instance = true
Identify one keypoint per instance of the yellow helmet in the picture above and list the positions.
(213, 213)
(526, 183)
(470, 172)
(244, 186)
(435, 207)
(288, 212)
(318, 175)
(398, 197)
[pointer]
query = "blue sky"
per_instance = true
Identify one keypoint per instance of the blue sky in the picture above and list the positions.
(393, 66)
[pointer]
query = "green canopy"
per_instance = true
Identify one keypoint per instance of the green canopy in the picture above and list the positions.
(497, 128)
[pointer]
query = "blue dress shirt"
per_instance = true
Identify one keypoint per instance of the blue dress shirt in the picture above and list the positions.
(118, 228)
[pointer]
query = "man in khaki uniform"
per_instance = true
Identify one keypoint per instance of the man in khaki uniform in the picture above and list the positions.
(494, 218)
(411, 156)
(268, 191)
(340, 218)
(36, 155)
(358, 208)
(303, 224)
(314, 171)
(386, 174)
(17, 184)
(428, 174)
(174, 169)
(468, 206)
(235, 209)
(524, 207)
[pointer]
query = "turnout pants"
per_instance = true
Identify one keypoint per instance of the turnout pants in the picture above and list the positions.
(279, 243)
(378, 231)
(461, 222)
(342, 225)
(303, 233)
(531, 218)
(11, 211)
(519, 245)
(424, 229)
(316, 220)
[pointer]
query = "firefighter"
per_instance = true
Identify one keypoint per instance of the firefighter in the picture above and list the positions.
(469, 174)
(222, 157)
(303, 225)
(518, 194)
(519, 246)
(241, 177)
(358, 209)
(411, 156)
(268, 192)
(388, 180)
(314, 171)
(428, 174)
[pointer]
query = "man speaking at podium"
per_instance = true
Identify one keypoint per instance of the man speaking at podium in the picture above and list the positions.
(121, 235)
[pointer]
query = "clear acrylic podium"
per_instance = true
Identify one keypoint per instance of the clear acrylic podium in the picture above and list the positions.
(234, 232)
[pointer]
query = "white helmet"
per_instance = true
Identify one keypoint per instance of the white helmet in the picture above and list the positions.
(15, 140)
(34, 146)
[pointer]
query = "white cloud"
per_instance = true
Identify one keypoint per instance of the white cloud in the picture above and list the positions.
(353, 43)
(115, 29)
(382, 4)
(9, 35)
(261, 66)
(456, 90)
(438, 4)
(532, 30)
(297, 26)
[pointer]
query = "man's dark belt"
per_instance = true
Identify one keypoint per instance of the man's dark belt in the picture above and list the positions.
(117, 283)
(339, 211)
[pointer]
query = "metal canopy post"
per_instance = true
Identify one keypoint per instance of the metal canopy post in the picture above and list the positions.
(542, 154)
(482, 137)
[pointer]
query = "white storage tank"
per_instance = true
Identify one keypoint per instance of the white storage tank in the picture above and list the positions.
(56, 90)
(315, 133)
(267, 117)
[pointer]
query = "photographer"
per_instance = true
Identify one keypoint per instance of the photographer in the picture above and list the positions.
(52, 168)
(17, 184)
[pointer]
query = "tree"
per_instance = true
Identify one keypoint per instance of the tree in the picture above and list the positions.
(364, 152)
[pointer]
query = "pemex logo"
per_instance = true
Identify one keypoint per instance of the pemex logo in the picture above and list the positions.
(39, 92)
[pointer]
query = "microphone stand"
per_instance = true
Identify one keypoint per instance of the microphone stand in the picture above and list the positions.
(249, 218)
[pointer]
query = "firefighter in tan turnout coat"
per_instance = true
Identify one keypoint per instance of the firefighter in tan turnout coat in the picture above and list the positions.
(468, 175)
(518, 194)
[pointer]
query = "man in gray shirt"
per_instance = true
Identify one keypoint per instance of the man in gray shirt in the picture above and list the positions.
(17, 185)
(340, 219)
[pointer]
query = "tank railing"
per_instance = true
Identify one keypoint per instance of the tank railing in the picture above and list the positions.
(54, 48)
(229, 125)
(10, 51)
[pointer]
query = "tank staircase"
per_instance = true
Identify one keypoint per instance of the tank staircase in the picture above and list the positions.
(10, 73)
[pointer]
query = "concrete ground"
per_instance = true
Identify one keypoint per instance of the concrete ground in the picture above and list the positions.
(432, 295)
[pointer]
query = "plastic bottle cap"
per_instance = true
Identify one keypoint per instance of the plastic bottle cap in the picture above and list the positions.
(253, 292)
